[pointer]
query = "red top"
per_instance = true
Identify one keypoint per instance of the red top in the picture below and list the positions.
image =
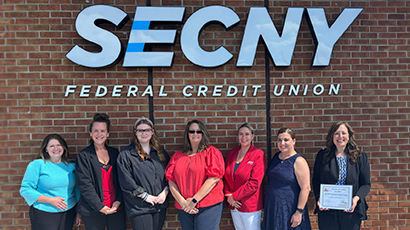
(108, 187)
(190, 173)
(246, 184)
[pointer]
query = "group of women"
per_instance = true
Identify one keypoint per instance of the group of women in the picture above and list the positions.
(104, 184)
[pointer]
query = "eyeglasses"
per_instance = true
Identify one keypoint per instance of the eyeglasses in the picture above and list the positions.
(143, 130)
(195, 131)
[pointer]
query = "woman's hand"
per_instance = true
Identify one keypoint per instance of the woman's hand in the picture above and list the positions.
(189, 206)
(354, 204)
(162, 196)
(232, 202)
(106, 210)
(320, 208)
(77, 220)
(151, 199)
(58, 202)
(296, 219)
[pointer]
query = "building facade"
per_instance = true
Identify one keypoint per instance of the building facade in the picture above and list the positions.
(216, 63)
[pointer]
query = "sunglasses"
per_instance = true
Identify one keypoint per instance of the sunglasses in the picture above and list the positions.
(195, 131)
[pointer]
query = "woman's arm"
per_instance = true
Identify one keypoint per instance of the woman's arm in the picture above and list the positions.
(173, 187)
(303, 177)
(206, 188)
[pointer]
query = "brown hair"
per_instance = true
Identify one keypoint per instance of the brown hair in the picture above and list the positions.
(287, 130)
(351, 148)
(103, 118)
(204, 141)
(43, 154)
(153, 143)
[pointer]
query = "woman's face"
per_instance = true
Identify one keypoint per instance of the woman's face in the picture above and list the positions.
(245, 137)
(99, 133)
(144, 133)
(195, 134)
(285, 143)
(341, 137)
(55, 150)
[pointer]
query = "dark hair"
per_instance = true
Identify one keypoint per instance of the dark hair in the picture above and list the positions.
(287, 130)
(351, 148)
(204, 141)
(43, 154)
(101, 117)
(247, 125)
(154, 142)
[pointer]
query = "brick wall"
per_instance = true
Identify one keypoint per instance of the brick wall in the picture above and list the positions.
(370, 62)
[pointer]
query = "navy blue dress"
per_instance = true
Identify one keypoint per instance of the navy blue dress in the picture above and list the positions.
(282, 196)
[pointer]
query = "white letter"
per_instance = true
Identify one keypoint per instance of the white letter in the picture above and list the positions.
(141, 34)
(327, 37)
(116, 91)
(184, 90)
(161, 92)
(275, 92)
(69, 89)
(202, 90)
(132, 89)
(190, 35)
(98, 92)
(85, 90)
(217, 91)
(244, 90)
(280, 47)
(317, 93)
(230, 93)
(148, 90)
(333, 89)
(256, 87)
(294, 90)
(85, 25)
(306, 89)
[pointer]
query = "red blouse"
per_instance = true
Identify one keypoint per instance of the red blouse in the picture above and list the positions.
(108, 186)
(190, 173)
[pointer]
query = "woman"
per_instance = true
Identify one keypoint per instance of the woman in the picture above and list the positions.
(245, 168)
(101, 195)
(49, 187)
(342, 163)
(288, 187)
(141, 173)
(194, 176)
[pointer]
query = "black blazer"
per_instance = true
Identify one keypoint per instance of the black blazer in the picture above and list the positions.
(358, 175)
(88, 171)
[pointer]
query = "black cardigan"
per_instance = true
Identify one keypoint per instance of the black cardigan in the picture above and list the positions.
(88, 171)
(136, 177)
(358, 175)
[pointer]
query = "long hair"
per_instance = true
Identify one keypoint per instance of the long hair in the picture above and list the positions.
(352, 150)
(204, 141)
(153, 143)
(103, 118)
(43, 154)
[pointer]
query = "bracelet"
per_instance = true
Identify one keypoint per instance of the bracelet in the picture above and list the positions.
(144, 196)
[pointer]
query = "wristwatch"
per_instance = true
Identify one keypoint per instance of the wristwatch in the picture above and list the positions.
(299, 210)
(194, 200)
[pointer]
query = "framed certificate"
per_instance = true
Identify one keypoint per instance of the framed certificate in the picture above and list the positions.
(337, 197)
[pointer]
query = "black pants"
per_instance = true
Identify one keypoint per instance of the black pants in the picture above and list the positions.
(41, 220)
(115, 221)
(338, 220)
(150, 221)
(207, 218)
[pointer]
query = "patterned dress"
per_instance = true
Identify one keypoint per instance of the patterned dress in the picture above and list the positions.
(282, 196)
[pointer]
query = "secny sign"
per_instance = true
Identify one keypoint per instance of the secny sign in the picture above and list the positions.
(259, 25)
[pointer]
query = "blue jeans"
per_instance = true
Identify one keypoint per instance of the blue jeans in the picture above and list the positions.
(207, 218)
